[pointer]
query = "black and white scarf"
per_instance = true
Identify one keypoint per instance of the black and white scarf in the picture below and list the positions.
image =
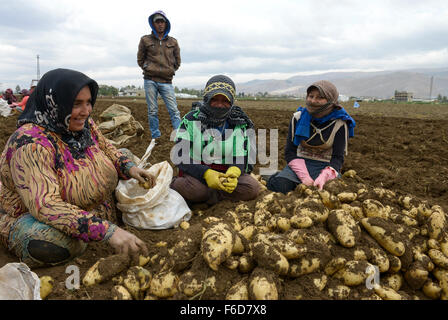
(50, 106)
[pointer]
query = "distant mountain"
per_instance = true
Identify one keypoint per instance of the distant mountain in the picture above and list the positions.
(360, 84)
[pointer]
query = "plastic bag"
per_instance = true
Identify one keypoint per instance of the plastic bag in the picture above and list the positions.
(5, 109)
(157, 208)
(18, 282)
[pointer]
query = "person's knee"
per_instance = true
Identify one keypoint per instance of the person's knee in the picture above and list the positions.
(249, 189)
(47, 252)
(190, 190)
(279, 184)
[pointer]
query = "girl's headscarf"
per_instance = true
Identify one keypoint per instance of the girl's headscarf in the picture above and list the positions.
(50, 106)
(328, 91)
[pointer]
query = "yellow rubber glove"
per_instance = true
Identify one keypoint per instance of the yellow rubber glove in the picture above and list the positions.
(232, 175)
(233, 172)
(212, 177)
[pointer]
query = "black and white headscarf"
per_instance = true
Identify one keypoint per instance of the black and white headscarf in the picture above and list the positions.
(50, 106)
(221, 84)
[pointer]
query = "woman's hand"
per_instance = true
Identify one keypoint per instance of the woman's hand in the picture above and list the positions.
(124, 242)
(142, 176)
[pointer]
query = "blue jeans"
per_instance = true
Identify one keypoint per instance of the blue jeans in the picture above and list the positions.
(166, 90)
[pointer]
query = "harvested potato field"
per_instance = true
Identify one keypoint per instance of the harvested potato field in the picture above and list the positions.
(380, 232)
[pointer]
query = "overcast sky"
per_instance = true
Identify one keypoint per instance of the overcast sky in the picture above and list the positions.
(246, 40)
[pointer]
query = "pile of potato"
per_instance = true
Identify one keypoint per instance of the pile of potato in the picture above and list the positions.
(348, 241)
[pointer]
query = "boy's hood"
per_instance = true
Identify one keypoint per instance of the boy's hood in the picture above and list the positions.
(168, 24)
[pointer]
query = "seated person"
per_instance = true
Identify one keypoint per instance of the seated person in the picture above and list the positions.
(219, 127)
(317, 140)
(58, 175)
(26, 95)
(9, 96)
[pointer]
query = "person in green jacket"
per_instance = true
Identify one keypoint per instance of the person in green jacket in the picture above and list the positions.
(213, 148)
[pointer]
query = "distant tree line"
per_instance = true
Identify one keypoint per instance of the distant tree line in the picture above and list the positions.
(442, 99)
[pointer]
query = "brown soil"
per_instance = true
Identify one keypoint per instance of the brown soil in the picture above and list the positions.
(408, 156)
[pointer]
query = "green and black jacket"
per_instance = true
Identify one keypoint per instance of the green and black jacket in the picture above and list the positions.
(195, 138)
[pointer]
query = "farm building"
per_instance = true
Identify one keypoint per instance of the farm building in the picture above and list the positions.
(403, 96)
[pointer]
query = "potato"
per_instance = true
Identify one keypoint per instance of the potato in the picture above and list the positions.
(147, 184)
(349, 173)
(432, 290)
(238, 291)
(164, 284)
(267, 256)
(320, 282)
(144, 277)
(46, 286)
(355, 212)
(142, 260)
(105, 268)
(283, 223)
(406, 202)
(262, 285)
(384, 193)
(296, 236)
(285, 246)
(444, 245)
(339, 292)
(248, 232)
(403, 219)
(184, 225)
(190, 284)
(314, 209)
(386, 293)
(343, 227)
(261, 217)
(424, 209)
(377, 228)
(232, 263)
(437, 224)
(424, 260)
(416, 275)
(353, 273)
(380, 259)
(360, 254)
(217, 244)
(374, 208)
(438, 258)
(238, 246)
(412, 213)
(132, 284)
(441, 275)
(393, 281)
(120, 293)
(334, 265)
(288, 248)
(246, 264)
(434, 244)
(118, 280)
(373, 296)
(330, 201)
(233, 219)
(347, 197)
(300, 221)
(304, 265)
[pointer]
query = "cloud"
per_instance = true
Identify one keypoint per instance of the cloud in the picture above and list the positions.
(245, 39)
